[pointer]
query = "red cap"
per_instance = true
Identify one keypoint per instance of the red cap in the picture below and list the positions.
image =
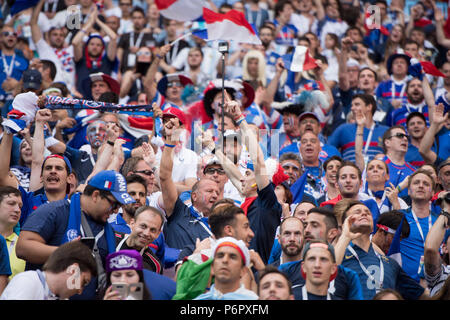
(174, 112)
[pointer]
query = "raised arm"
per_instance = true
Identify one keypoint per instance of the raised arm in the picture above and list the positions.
(359, 140)
(149, 78)
(250, 141)
(273, 85)
(168, 187)
(112, 44)
(428, 139)
(5, 150)
(36, 33)
(440, 35)
(433, 242)
(344, 239)
(77, 40)
(38, 148)
(429, 97)
(342, 56)
(320, 11)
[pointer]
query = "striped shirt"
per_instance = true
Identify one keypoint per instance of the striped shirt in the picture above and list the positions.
(436, 282)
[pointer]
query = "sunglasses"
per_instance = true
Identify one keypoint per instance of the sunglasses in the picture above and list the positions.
(146, 172)
(9, 33)
(143, 53)
(174, 84)
(400, 135)
(114, 204)
(214, 170)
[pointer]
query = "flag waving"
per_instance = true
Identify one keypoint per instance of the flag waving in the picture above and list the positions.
(300, 60)
(229, 26)
(180, 10)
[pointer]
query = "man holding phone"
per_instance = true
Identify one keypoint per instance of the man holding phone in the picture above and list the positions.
(85, 215)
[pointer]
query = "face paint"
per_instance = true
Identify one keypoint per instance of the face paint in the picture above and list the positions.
(96, 134)
(291, 121)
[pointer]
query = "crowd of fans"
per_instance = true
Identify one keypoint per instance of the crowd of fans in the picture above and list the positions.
(244, 180)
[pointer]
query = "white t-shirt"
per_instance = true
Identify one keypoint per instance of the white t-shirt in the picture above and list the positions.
(26, 286)
(301, 22)
(184, 164)
(65, 65)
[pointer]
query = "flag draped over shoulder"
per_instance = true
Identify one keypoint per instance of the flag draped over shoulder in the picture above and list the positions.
(229, 26)
(193, 277)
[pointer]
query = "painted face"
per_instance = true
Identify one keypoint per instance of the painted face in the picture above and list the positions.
(96, 134)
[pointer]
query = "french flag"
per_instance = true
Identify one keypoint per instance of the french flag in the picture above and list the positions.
(229, 26)
(181, 10)
(108, 184)
(300, 60)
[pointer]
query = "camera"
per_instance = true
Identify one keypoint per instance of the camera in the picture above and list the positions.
(223, 47)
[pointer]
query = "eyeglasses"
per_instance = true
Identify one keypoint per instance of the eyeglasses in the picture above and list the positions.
(174, 84)
(114, 204)
(9, 33)
(399, 135)
(124, 4)
(143, 53)
(214, 170)
(146, 172)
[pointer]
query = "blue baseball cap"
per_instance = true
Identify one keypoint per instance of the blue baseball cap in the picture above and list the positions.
(113, 182)
(66, 160)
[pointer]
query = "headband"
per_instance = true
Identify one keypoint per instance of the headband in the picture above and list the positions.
(385, 228)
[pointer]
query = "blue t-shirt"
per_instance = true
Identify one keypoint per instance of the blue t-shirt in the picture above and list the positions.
(31, 201)
(286, 35)
(5, 268)
(394, 276)
(346, 286)
(19, 65)
(413, 156)
(343, 138)
(443, 140)
(412, 248)
(160, 286)
(399, 173)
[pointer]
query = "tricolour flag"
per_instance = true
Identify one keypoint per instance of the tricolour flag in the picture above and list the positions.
(229, 26)
(180, 10)
(108, 184)
(300, 60)
(394, 249)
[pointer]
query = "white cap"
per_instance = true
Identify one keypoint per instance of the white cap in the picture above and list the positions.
(239, 245)
(353, 63)
(113, 12)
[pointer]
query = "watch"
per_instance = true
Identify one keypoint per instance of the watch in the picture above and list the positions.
(110, 143)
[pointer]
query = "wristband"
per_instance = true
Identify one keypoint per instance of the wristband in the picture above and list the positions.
(169, 145)
(399, 189)
(159, 56)
(110, 143)
(50, 141)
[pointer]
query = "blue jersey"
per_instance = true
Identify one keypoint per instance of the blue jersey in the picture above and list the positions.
(18, 65)
(384, 90)
(392, 277)
(286, 35)
(398, 116)
(443, 141)
(413, 156)
(412, 248)
(346, 286)
(399, 173)
(343, 138)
